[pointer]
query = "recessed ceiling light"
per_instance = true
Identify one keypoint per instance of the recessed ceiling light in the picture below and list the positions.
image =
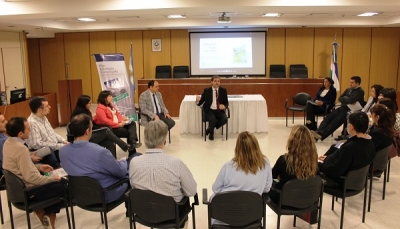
(271, 15)
(176, 16)
(86, 19)
(368, 14)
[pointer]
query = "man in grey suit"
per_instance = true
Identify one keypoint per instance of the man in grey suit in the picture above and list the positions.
(152, 105)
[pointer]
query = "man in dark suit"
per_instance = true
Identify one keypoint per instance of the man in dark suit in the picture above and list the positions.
(214, 101)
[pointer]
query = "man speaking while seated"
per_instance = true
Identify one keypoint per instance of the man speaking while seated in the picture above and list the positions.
(214, 101)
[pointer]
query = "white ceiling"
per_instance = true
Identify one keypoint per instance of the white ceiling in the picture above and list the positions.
(43, 17)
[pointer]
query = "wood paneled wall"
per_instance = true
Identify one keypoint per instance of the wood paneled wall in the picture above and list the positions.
(372, 53)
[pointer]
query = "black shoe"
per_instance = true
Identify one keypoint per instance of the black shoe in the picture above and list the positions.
(211, 137)
(130, 147)
(339, 138)
(208, 131)
(137, 144)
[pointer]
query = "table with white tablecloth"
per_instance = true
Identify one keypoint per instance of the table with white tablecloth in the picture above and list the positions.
(247, 113)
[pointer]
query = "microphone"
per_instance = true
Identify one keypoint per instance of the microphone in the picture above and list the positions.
(66, 70)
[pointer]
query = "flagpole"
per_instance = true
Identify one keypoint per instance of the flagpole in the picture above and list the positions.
(334, 72)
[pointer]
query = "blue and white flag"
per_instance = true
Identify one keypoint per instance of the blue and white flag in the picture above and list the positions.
(334, 73)
(114, 78)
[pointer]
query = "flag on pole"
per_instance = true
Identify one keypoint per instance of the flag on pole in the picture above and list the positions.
(132, 73)
(334, 73)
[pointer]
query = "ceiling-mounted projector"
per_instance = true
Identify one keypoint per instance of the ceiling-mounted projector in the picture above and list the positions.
(224, 19)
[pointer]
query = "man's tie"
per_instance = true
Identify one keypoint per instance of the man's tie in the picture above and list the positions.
(216, 98)
(155, 104)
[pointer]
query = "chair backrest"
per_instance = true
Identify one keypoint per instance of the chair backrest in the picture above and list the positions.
(70, 136)
(301, 98)
(85, 191)
(381, 159)
(151, 207)
(355, 180)
(181, 71)
(302, 193)
(277, 71)
(298, 72)
(163, 71)
(237, 208)
(15, 187)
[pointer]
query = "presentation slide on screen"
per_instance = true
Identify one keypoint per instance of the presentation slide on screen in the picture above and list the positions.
(226, 53)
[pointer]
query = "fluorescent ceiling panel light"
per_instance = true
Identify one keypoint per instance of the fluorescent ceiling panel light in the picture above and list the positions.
(368, 14)
(86, 19)
(176, 16)
(271, 15)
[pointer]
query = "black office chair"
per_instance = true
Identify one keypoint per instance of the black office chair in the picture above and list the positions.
(299, 104)
(277, 71)
(158, 211)
(181, 72)
(163, 71)
(298, 197)
(354, 182)
(87, 193)
(19, 196)
(2, 188)
(380, 163)
(238, 209)
(142, 115)
(204, 123)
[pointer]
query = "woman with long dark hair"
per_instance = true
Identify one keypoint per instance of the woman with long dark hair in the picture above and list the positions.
(326, 96)
(108, 115)
(100, 135)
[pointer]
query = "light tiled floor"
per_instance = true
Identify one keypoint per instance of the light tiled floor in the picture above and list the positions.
(205, 160)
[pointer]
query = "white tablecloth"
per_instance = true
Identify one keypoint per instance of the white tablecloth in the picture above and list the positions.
(248, 113)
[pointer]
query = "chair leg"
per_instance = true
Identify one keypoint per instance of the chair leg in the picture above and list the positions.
(388, 171)
(28, 219)
(278, 225)
(1, 211)
(11, 215)
(193, 218)
(342, 213)
(370, 190)
(169, 136)
(226, 131)
(72, 215)
(105, 219)
(294, 221)
(286, 116)
(139, 131)
(333, 203)
(365, 200)
(222, 131)
(384, 183)
(292, 117)
(101, 216)
(66, 209)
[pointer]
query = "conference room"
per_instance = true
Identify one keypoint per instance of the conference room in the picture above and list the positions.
(47, 51)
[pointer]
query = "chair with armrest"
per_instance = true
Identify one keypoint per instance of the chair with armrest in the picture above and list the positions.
(19, 196)
(353, 183)
(298, 197)
(87, 193)
(159, 211)
(277, 71)
(299, 104)
(181, 72)
(380, 162)
(238, 209)
(143, 115)
(163, 71)
(204, 123)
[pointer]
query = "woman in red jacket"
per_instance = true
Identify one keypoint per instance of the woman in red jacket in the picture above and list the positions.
(108, 115)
